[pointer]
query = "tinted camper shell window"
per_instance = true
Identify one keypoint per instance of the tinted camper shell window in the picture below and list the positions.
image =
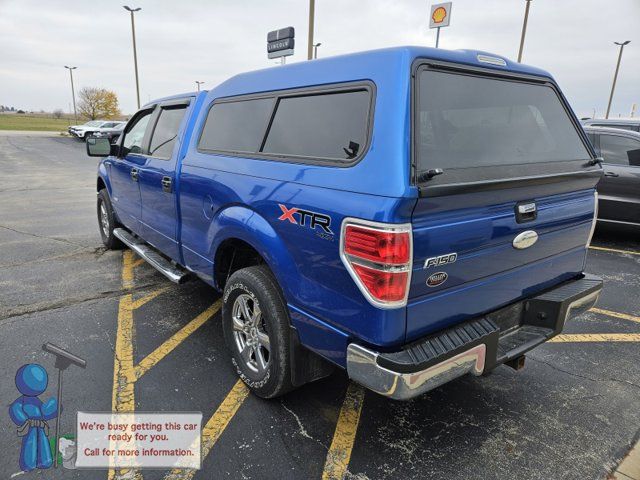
(479, 126)
(329, 125)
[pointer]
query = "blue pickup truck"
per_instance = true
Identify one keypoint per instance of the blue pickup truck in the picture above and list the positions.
(410, 215)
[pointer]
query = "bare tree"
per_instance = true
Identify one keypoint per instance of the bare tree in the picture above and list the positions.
(57, 113)
(98, 103)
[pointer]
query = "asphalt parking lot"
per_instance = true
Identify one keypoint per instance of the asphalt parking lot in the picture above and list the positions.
(572, 413)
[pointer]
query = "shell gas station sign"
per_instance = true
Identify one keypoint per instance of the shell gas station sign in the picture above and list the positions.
(440, 15)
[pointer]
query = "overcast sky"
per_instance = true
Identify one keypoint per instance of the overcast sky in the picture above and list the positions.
(183, 41)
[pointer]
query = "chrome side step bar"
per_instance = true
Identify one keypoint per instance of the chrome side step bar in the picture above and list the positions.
(173, 272)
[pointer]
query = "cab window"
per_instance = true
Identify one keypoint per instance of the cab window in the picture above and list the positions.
(135, 134)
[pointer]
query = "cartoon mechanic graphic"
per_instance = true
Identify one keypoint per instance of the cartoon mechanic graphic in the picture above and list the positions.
(31, 415)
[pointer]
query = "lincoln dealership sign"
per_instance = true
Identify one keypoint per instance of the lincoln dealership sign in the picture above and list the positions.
(280, 43)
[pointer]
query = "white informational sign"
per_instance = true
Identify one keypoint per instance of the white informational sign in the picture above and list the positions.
(440, 15)
(138, 440)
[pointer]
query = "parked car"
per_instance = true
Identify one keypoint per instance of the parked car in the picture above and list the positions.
(110, 132)
(86, 129)
(632, 124)
(427, 222)
(619, 189)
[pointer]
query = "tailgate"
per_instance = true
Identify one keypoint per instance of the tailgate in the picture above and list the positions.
(482, 270)
(507, 198)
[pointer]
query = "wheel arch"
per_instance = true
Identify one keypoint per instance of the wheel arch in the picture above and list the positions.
(103, 179)
(246, 233)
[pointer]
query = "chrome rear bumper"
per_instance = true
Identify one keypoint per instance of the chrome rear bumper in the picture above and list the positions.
(474, 346)
(362, 367)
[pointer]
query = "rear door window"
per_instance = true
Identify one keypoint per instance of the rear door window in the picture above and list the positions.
(165, 132)
(479, 127)
(325, 126)
(619, 150)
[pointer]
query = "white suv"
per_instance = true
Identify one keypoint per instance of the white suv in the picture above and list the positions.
(83, 131)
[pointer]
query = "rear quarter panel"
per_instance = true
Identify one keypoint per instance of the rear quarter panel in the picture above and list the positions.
(232, 197)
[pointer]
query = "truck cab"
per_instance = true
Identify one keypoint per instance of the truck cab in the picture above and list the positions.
(409, 214)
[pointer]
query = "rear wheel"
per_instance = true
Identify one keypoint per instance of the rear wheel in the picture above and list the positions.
(107, 221)
(256, 330)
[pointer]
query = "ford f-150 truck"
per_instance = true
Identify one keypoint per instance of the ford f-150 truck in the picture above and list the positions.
(408, 214)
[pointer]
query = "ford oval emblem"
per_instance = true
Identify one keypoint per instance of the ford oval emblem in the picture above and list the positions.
(436, 279)
(525, 240)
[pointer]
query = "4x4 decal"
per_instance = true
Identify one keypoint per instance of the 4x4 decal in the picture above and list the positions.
(315, 219)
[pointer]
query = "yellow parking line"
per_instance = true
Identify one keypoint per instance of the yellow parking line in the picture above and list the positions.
(138, 262)
(597, 337)
(147, 298)
(623, 316)
(123, 398)
(168, 346)
(127, 269)
(215, 426)
(122, 395)
(339, 453)
(615, 250)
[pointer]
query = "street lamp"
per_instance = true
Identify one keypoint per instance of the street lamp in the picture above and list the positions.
(524, 29)
(199, 83)
(315, 49)
(135, 54)
(615, 75)
(73, 93)
(312, 9)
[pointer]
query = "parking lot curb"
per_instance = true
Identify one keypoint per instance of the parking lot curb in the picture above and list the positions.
(630, 466)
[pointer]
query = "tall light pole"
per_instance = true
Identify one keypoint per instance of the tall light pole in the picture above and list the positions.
(524, 29)
(199, 83)
(312, 8)
(135, 54)
(73, 92)
(615, 75)
(315, 49)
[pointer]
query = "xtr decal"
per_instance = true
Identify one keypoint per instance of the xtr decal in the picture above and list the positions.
(314, 219)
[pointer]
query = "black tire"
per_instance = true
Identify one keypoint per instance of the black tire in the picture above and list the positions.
(86, 135)
(107, 221)
(257, 287)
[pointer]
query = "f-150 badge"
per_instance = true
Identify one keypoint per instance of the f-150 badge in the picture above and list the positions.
(441, 260)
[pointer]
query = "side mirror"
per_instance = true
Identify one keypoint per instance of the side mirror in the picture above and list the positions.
(101, 147)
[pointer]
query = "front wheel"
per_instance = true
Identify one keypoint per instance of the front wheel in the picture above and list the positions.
(107, 221)
(256, 330)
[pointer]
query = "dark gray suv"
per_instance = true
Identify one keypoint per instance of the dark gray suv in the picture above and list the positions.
(619, 188)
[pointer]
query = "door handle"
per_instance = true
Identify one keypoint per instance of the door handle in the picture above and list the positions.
(611, 174)
(166, 184)
(134, 174)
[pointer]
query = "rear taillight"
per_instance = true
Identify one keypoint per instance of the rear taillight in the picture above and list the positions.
(377, 245)
(379, 258)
